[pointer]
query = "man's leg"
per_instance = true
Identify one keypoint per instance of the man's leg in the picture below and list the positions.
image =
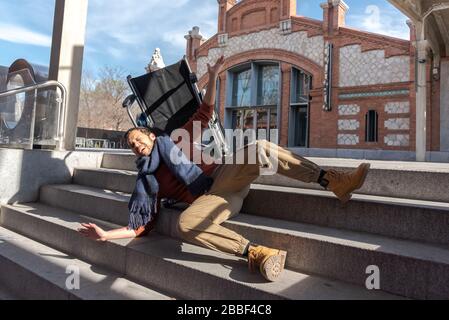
(250, 160)
(341, 183)
(200, 223)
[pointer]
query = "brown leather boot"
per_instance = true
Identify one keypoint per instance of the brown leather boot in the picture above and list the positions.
(270, 262)
(342, 184)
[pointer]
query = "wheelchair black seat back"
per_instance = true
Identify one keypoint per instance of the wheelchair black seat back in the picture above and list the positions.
(168, 97)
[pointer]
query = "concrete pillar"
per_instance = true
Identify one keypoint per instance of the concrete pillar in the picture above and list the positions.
(421, 99)
(69, 29)
(444, 105)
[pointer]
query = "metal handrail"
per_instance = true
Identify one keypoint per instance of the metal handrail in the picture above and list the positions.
(62, 103)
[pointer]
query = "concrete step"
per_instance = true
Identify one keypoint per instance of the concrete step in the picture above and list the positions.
(400, 179)
(110, 179)
(5, 294)
(183, 269)
(120, 161)
(111, 206)
(344, 255)
(400, 218)
(410, 180)
(31, 270)
(339, 254)
(394, 217)
(409, 269)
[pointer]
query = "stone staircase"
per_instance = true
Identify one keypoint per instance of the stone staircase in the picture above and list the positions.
(329, 245)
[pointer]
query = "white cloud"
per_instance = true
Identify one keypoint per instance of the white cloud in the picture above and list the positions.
(19, 34)
(384, 21)
(114, 52)
(176, 39)
(127, 32)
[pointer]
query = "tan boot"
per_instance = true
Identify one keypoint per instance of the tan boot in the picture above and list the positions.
(342, 184)
(270, 262)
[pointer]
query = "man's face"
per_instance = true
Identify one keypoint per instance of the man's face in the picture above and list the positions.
(140, 143)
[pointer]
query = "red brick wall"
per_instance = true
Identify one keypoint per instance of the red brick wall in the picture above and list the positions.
(266, 14)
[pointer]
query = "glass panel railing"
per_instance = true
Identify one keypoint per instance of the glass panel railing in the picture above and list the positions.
(31, 117)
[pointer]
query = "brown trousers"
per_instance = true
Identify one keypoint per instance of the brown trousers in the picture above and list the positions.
(200, 222)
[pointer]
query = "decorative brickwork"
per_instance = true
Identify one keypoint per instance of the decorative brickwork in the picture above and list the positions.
(397, 107)
(348, 139)
(398, 124)
(298, 42)
(359, 68)
(348, 109)
(347, 125)
(397, 140)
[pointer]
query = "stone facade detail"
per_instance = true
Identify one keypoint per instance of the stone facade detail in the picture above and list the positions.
(348, 139)
(397, 140)
(348, 110)
(285, 26)
(398, 124)
(223, 40)
(359, 68)
(348, 125)
(397, 107)
(297, 42)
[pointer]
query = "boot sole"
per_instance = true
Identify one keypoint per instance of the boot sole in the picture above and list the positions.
(273, 266)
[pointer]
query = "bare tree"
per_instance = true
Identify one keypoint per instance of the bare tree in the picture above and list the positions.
(101, 99)
(87, 101)
(113, 89)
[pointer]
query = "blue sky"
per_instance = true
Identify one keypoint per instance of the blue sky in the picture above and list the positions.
(124, 33)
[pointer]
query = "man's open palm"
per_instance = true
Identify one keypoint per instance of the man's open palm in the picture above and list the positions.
(217, 67)
(92, 231)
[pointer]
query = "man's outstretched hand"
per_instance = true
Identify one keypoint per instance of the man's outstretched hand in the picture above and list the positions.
(92, 231)
(215, 70)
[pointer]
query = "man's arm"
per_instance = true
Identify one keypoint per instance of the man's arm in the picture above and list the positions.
(211, 91)
(205, 112)
(94, 232)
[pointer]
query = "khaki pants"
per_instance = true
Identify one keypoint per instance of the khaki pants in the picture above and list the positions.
(200, 222)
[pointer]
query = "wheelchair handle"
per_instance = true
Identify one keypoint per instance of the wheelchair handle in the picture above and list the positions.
(129, 101)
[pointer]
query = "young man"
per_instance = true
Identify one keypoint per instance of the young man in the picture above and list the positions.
(201, 222)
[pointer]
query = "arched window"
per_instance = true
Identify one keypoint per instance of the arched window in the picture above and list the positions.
(254, 97)
(268, 85)
(241, 89)
(371, 126)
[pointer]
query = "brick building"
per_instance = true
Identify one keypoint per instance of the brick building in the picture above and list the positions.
(323, 85)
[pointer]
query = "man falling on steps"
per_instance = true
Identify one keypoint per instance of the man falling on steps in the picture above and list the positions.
(214, 192)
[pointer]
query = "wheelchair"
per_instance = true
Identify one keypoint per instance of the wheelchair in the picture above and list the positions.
(168, 98)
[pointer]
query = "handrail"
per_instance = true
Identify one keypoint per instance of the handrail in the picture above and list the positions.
(62, 102)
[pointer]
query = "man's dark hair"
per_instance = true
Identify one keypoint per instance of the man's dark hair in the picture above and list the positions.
(144, 130)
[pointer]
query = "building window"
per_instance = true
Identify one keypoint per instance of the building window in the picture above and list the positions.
(268, 86)
(301, 87)
(241, 89)
(255, 98)
(299, 109)
(371, 126)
